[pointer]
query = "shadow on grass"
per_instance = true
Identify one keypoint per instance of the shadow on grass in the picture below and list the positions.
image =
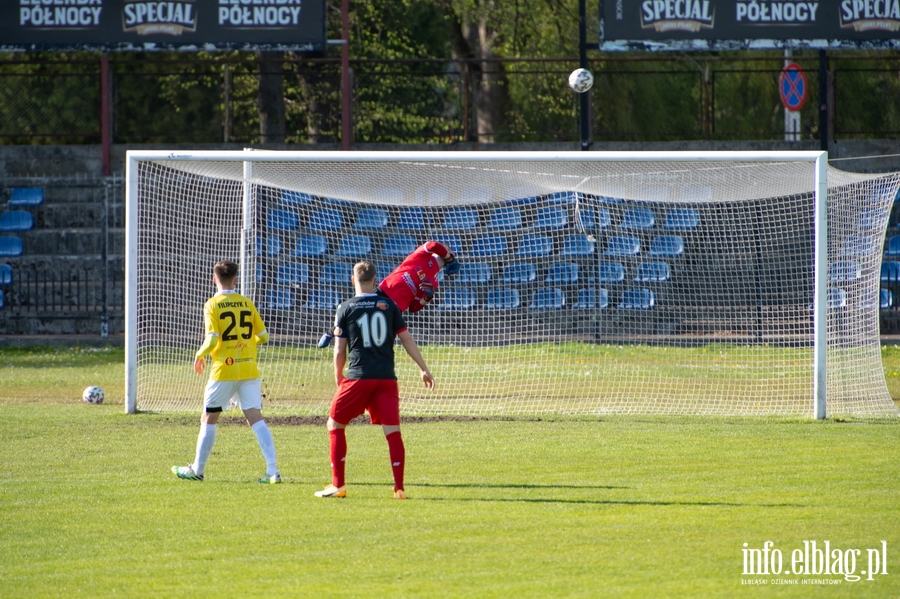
(564, 500)
(610, 502)
(490, 486)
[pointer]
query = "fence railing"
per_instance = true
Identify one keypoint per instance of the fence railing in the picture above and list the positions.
(85, 292)
(635, 98)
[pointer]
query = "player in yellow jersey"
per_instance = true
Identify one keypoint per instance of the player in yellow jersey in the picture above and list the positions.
(233, 330)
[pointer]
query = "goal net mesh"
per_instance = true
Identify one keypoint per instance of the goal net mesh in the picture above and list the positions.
(586, 287)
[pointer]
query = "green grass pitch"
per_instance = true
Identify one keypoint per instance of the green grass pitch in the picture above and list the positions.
(561, 507)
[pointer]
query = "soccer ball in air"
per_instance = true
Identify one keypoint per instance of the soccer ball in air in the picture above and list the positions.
(581, 80)
(93, 395)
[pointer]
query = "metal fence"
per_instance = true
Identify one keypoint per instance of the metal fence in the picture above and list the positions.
(635, 98)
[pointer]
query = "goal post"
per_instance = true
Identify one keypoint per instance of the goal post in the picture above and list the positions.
(592, 282)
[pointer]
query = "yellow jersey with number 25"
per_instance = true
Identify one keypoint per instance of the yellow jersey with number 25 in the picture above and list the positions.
(238, 327)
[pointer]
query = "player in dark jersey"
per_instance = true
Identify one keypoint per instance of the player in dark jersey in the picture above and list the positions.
(412, 284)
(365, 327)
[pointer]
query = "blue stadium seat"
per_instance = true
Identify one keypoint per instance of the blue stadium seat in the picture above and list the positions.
(535, 246)
(837, 298)
(653, 272)
(282, 220)
(454, 242)
(326, 219)
(371, 219)
(457, 298)
(292, 274)
(411, 219)
(273, 246)
(623, 246)
(890, 272)
(638, 219)
(336, 274)
(562, 273)
(399, 246)
(383, 269)
(869, 220)
(354, 246)
(10, 247)
(324, 299)
(310, 246)
(682, 219)
(886, 299)
(564, 197)
(577, 245)
(502, 298)
(593, 219)
(519, 272)
(548, 298)
(280, 299)
(295, 198)
(610, 273)
(860, 246)
(12, 221)
(5, 274)
(504, 218)
(587, 299)
(489, 245)
(477, 273)
(2, 299)
(893, 248)
(637, 299)
(23, 197)
(460, 218)
(551, 217)
(844, 271)
(667, 246)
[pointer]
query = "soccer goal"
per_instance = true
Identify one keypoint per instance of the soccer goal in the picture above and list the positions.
(591, 282)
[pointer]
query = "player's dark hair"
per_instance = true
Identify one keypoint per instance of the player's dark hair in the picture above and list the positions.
(226, 270)
(364, 271)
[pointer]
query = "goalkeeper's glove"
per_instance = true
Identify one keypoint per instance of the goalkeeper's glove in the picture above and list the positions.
(451, 265)
(325, 341)
(427, 290)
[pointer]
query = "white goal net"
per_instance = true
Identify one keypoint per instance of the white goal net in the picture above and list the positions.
(591, 282)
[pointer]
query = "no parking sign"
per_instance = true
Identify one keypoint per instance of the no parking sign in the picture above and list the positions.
(792, 87)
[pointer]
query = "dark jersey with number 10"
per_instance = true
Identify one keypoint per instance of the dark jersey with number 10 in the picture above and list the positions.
(370, 323)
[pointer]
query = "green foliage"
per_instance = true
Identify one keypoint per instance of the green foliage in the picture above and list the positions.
(866, 93)
(633, 100)
(414, 83)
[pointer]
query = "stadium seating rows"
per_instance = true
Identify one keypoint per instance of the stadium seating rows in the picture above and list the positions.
(550, 241)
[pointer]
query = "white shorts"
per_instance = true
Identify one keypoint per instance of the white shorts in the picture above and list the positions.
(247, 392)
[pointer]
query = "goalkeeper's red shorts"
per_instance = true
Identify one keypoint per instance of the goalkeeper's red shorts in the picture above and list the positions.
(379, 397)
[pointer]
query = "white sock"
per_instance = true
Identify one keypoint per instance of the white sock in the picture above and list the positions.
(205, 441)
(267, 444)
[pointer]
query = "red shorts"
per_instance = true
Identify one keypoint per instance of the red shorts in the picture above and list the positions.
(379, 397)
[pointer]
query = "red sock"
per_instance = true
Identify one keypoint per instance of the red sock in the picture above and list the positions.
(338, 455)
(398, 457)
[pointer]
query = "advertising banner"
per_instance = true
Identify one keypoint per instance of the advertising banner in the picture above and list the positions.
(152, 24)
(733, 24)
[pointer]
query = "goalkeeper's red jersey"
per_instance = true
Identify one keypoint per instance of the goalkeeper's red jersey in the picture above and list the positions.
(404, 284)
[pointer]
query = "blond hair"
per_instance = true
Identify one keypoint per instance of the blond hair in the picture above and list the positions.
(364, 271)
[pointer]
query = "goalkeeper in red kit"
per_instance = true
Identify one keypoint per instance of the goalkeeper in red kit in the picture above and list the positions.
(412, 284)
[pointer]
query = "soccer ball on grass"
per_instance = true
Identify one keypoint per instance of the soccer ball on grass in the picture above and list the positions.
(581, 80)
(93, 395)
